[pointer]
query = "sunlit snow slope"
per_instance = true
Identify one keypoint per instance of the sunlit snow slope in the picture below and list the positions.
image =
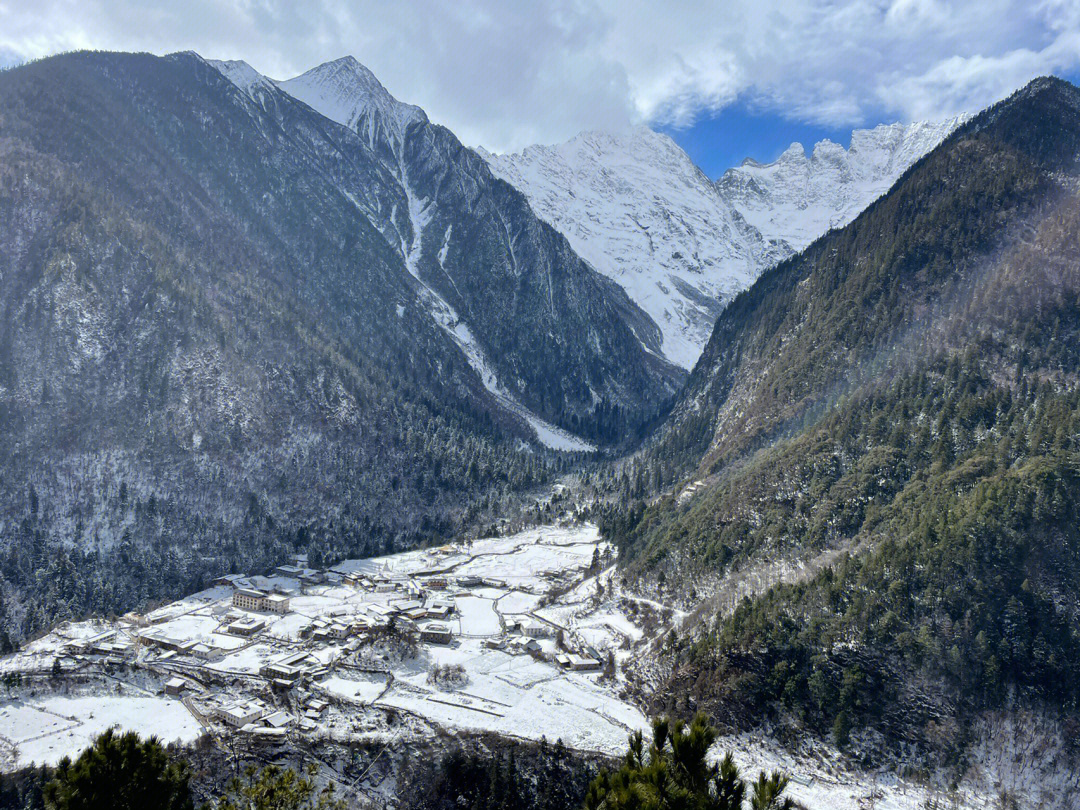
(637, 208)
(798, 197)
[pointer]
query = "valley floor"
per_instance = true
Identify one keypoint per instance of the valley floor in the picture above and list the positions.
(332, 670)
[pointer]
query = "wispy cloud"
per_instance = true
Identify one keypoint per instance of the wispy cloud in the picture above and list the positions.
(506, 74)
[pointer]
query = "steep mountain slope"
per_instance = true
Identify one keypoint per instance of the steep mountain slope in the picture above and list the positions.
(214, 343)
(538, 325)
(886, 425)
(637, 209)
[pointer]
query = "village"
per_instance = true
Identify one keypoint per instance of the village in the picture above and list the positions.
(525, 636)
(512, 635)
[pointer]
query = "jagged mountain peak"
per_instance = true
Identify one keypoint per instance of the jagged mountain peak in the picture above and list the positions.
(1040, 120)
(794, 152)
(799, 196)
(237, 71)
(1047, 84)
(343, 90)
(347, 92)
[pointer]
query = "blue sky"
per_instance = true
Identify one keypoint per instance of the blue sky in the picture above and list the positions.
(726, 78)
(716, 141)
(720, 140)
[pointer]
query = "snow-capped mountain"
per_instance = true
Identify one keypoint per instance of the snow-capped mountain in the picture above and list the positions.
(347, 92)
(637, 208)
(486, 270)
(798, 197)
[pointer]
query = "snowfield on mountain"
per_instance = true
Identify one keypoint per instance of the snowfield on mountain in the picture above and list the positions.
(636, 208)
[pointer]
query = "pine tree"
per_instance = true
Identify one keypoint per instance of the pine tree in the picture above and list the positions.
(675, 774)
(120, 772)
(275, 788)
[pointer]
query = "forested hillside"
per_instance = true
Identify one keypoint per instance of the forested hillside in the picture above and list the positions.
(897, 409)
(212, 350)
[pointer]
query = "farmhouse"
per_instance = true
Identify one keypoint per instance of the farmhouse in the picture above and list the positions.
(578, 663)
(290, 667)
(263, 734)
(247, 626)
(156, 638)
(439, 609)
(436, 633)
(520, 645)
(309, 576)
(239, 714)
(278, 720)
(535, 629)
(232, 580)
(356, 580)
(175, 686)
(205, 652)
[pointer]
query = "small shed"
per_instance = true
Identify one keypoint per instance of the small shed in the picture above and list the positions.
(175, 686)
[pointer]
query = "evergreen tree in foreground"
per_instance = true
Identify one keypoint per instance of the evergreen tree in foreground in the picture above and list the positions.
(275, 788)
(120, 772)
(675, 775)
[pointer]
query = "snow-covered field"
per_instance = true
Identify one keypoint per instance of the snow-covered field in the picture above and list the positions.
(48, 728)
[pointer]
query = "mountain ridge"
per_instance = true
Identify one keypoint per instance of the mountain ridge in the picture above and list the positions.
(879, 444)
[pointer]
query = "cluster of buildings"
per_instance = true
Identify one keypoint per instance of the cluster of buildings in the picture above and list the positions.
(180, 646)
(109, 644)
(251, 658)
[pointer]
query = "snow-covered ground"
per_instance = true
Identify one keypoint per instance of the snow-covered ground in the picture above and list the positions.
(543, 577)
(47, 728)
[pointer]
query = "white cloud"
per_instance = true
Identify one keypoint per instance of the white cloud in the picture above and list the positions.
(506, 73)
